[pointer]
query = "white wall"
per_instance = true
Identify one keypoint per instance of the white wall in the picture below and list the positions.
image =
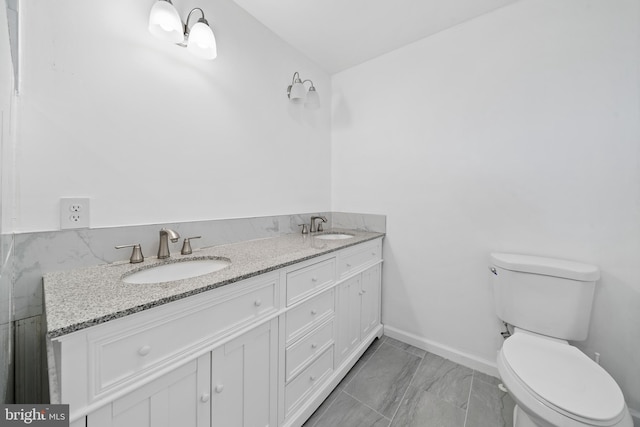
(153, 134)
(517, 131)
(6, 238)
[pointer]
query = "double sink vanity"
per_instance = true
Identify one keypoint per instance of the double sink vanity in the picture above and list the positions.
(255, 333)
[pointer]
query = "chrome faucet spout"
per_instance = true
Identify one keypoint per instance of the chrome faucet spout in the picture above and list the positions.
(313, 223)
(166, 234)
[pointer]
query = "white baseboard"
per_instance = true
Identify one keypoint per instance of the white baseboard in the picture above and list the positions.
(485, 366)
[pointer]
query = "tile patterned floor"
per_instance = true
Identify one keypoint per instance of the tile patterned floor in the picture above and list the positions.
(398, 385)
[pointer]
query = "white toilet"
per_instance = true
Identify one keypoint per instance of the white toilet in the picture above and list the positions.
(548, 301)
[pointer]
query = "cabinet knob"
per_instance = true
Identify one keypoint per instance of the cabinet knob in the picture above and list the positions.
(314, 279)
(314, 345)
(219, 388)
(144, 350)
(258, 302)
(314, 312)
(312, 377)
(205, 398)
(348, 265)
(361, 292)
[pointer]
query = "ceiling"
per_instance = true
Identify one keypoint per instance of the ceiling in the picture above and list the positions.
(338, 34)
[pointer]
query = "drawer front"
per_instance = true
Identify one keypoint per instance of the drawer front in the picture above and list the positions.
(125, 357)
(305, 350)
(301, 319)
(307, 280)
(313, 376)
(360, 256)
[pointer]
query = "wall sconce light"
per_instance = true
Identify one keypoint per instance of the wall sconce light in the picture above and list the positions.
(165, 24)
(298, 94)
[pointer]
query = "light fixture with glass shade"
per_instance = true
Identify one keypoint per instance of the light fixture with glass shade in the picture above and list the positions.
(165, 23)
(298, 94)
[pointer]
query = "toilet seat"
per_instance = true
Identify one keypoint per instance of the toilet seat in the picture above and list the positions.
(559, 383)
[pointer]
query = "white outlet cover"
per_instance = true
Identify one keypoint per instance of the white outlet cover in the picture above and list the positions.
(74, 212)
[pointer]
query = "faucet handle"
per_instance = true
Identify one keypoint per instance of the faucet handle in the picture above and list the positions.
(186, 246)
(136, 254)
(305, 228)
(320, 227)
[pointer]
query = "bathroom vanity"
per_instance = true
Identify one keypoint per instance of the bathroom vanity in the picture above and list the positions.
(260, 343)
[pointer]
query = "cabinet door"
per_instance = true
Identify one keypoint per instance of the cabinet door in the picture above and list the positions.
(348, 316)
(179, 398)
(244, 375)
(370, 304)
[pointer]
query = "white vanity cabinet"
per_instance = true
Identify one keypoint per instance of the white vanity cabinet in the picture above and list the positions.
(359, 309)
(178, 398)
(326, 331)
(244, 379)
(261, 352)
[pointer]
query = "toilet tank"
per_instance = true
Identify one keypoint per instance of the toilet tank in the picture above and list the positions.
(548, 296)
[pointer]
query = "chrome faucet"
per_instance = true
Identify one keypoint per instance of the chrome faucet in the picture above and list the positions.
(313, 223)
(166, 234)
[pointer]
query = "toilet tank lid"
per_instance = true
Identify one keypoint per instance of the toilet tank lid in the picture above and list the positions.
(546, 266)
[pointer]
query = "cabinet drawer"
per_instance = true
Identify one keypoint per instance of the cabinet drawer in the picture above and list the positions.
(122, 357)
(358, 257)
(307, 280)
(302, 352)
(313, 376)
(301, 319)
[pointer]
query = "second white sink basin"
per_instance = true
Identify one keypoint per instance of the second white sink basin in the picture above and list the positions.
(177, 271)
(334, 236)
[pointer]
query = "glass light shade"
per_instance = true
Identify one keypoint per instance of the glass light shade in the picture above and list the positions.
(313, 99)
(165, 23)
(202, 42)
(298, 92)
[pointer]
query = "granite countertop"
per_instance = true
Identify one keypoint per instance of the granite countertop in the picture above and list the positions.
(81, 298)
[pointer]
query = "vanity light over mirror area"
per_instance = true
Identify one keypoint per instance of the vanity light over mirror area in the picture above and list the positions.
(165, 24)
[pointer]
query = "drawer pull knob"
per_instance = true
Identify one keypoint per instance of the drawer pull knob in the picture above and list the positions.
(314, 312)
(143, 351)
(258, 302)
(314, 279)
(348, 265)
(219, 388)
(314, 345)
(204, 398)
(312, 377)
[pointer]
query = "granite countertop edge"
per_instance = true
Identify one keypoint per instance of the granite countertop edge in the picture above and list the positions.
(58, 285)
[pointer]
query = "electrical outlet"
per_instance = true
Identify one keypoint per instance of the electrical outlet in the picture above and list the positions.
(74, 212)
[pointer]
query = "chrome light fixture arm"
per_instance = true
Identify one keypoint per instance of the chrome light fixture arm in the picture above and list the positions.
(187, 28)
(298, 94)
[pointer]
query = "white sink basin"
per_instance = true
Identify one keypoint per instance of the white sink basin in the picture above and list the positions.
(334, 236)
(177, 271)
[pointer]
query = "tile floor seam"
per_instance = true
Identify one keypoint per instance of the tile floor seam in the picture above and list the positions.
(363, 364)
(466, 411)
(408, 386)
(364, 404)
(325, 409)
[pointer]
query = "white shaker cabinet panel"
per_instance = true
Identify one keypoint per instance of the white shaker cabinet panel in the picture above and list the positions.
(348, 313)
(179, 398)
(370, 304)
(244, 381)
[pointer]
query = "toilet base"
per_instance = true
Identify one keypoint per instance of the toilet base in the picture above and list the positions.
(521, 419)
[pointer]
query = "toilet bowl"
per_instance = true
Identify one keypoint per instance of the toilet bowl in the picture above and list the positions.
(556, 385)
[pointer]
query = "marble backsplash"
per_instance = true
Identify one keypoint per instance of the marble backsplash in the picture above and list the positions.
(42, 252)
